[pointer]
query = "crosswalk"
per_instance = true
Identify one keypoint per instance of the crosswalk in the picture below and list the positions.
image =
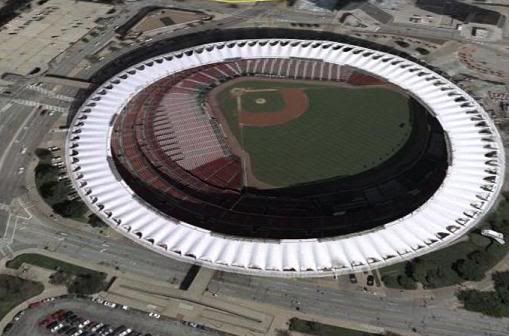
(61, 104)
(50, 93)
(18, 214)
(32, 103)
(5, 250)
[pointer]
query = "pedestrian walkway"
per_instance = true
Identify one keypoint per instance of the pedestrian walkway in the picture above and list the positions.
(50, 93)
(32, 103)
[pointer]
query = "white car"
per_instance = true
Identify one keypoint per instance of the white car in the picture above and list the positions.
(57, 328)
(126, 332)
(110, 304)
(154, 315)
(97, 327)
(125, 307)
(19, 315)
(84, 324)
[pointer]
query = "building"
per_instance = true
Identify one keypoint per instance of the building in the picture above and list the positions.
(464, 182)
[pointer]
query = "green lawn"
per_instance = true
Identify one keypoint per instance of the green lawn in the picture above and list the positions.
(78, 279)
(315, 328)
(344, 132)
(46, 262)
(14, 291)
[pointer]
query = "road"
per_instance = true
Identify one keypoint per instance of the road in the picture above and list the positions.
(82, 242)
(79, 50)
(423, 32)
(21, 127)
(426, 318)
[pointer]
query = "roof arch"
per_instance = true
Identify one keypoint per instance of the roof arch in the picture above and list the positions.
(466, 195)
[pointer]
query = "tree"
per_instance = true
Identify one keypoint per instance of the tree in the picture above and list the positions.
(45, 173)
(59, 278)
(96, 222)
(73, 209)
(493, 303)
(425, 271)
(470, 268)
(42, 154)
(281, 332)
(501, 280)
(484, 302)
(479, 240)
(406, 283)
(87, 283)
(48, 189)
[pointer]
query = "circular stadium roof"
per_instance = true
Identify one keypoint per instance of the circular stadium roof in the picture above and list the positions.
(470, 188)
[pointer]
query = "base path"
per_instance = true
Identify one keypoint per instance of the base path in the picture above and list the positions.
(296, 103)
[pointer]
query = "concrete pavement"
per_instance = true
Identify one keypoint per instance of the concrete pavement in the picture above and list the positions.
(395, 314)
(76, 242)
(136, 320)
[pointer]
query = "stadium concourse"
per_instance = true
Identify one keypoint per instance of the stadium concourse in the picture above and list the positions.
(149, 156)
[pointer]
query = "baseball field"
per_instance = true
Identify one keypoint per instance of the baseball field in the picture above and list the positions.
(300, 131)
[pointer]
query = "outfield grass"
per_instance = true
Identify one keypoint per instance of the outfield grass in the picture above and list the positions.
(344, 132)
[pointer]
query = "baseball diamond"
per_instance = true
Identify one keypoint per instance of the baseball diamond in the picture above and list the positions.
(298, 135)
(285, 157)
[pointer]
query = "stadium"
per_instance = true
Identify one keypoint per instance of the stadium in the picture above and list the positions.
(285, 157)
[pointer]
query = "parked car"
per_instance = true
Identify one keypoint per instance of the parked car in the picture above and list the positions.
(353, 278)
(110, 304)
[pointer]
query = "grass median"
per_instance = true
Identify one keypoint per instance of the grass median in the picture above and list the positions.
(320, 329)
(79, 280)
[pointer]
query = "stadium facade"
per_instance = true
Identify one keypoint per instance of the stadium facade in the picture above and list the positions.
(102, 164)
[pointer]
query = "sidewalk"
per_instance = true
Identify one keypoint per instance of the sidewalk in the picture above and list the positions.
(32, 273)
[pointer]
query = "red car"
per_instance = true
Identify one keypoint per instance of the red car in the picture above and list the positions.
(46, 321)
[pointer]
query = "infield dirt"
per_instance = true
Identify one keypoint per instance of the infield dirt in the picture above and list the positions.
(325, 129)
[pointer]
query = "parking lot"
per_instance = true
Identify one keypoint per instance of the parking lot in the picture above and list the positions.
(103, 320)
